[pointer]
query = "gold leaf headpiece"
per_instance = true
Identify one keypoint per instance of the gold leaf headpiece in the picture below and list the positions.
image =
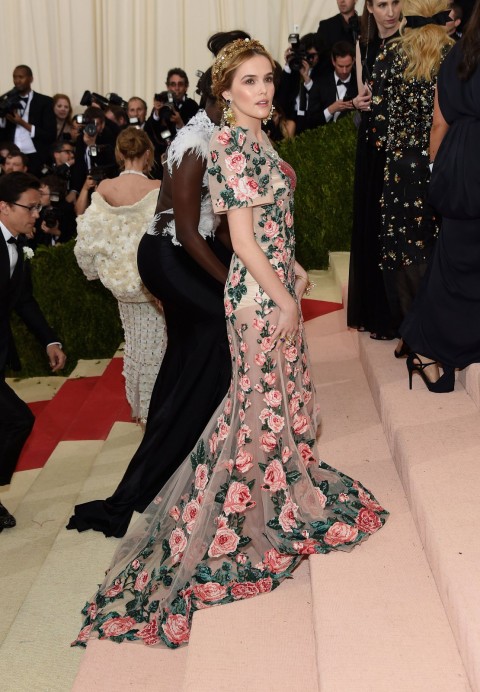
(230, 51)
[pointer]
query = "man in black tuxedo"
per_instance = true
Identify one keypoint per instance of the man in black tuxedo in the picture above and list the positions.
(335, 29)
(94, 150)
(137, 114)
(19, 209)
(334, 91)
(184, 107)
(33, 126)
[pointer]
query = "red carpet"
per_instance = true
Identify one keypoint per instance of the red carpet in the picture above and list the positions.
(316, 308)
(86, 408)
(82, 409)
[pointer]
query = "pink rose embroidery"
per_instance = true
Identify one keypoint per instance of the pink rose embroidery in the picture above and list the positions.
(294, 403)
(273, 398)
(268, 441)
(247, 189)
(300, 423)
(270, 228)
(276, 423)
(322, 497)
(241, 138)
(236, 162)
(243, 462)
(305, 547)
(115, 589)
(238, 499)
(115, 627)
(213, 443)
(235, 279)
(190, 513)
(291, 354)
(260, 359)
(274, 478)
(276, 562)
(306, 453)
(201, 476)
(288, 220)
(368, 502)
(141, 581)
(258, 323)
(243, 435)
(223, 429)
(340, 533)
(176, 629)
(267, 344)
(264, 585)
(286, 454)
(224, 542)
(288, 515)
(211, 591)
(177, 542)
(149, 633)
(174, 512)
(368, 521)
(224, 137)
(245, 383)
(245, 589)
(290, 387)
(84, 634)
(228, 308)
(270, 379)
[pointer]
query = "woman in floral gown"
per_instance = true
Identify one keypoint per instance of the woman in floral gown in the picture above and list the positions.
(252, 498)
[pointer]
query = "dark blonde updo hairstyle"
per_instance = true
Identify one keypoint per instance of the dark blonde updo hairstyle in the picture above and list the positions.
(229, 59)
(131, 144)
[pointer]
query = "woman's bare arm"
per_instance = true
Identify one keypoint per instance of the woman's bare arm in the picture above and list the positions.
(186, 184)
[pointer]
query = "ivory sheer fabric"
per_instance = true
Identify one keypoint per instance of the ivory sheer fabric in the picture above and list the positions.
(127, 46)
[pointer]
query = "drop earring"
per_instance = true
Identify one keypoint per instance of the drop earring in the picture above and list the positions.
(269, 116)
(228, 114)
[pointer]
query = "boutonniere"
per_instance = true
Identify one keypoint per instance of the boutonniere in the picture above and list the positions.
(28, 253)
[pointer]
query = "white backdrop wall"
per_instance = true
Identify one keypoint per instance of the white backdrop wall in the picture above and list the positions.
(127, 46)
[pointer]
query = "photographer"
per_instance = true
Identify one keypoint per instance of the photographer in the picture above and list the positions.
(94, 151)
(57, 222)
(301, 71)
(27, 119)
(182, 108)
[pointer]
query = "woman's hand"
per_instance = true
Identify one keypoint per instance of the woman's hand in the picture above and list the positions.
(288, 323)
(363, 100)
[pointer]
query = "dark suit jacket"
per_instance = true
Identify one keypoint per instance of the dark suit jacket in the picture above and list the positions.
(105, 159)
(287, 92)
(16, 294)
(42, 116)
(325, 94)
(331, 31)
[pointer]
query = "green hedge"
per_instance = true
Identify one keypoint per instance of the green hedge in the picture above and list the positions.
(85, 314)
(324, 161)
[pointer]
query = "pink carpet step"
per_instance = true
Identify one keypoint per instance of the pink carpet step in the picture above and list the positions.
(379, 622)
(470, 379)
(435, 442)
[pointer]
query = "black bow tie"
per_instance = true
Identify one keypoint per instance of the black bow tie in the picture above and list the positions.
(340, 83)
(23, 98)
(13, 241)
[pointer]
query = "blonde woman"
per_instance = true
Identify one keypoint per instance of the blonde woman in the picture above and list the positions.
(409, 225)
(62, 107)
(106, 249)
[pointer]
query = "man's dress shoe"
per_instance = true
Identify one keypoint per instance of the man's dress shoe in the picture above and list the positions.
(7, 521)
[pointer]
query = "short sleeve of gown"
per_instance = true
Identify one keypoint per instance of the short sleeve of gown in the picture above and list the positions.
(238, 171)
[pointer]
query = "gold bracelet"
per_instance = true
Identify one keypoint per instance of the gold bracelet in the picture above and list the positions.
(310, 286)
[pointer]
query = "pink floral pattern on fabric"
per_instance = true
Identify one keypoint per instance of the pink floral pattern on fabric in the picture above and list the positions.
(252, 499)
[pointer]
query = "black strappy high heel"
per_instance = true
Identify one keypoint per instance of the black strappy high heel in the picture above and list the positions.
(444, 384)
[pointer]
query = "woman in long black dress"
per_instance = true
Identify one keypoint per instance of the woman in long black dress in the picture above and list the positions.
(409, 224)
(444, 324)
(184, 264)
(368, 308)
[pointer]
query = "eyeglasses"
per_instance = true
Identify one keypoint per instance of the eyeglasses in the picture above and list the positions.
(311, 56)
(31, 208)
(66, 151)
(176, 83)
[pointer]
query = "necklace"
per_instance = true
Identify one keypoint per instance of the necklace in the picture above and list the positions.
(131, 171)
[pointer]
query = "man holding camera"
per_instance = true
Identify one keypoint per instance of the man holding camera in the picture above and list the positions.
(295, 94)
(19, 209)
(31, 122)
(95, 150)
(183, 108)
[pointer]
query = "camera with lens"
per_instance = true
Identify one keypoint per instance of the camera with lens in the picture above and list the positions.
(52, 214)
(88, 125)
(10, 102)
(99, 173)
(299, 53)
(90, 98)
